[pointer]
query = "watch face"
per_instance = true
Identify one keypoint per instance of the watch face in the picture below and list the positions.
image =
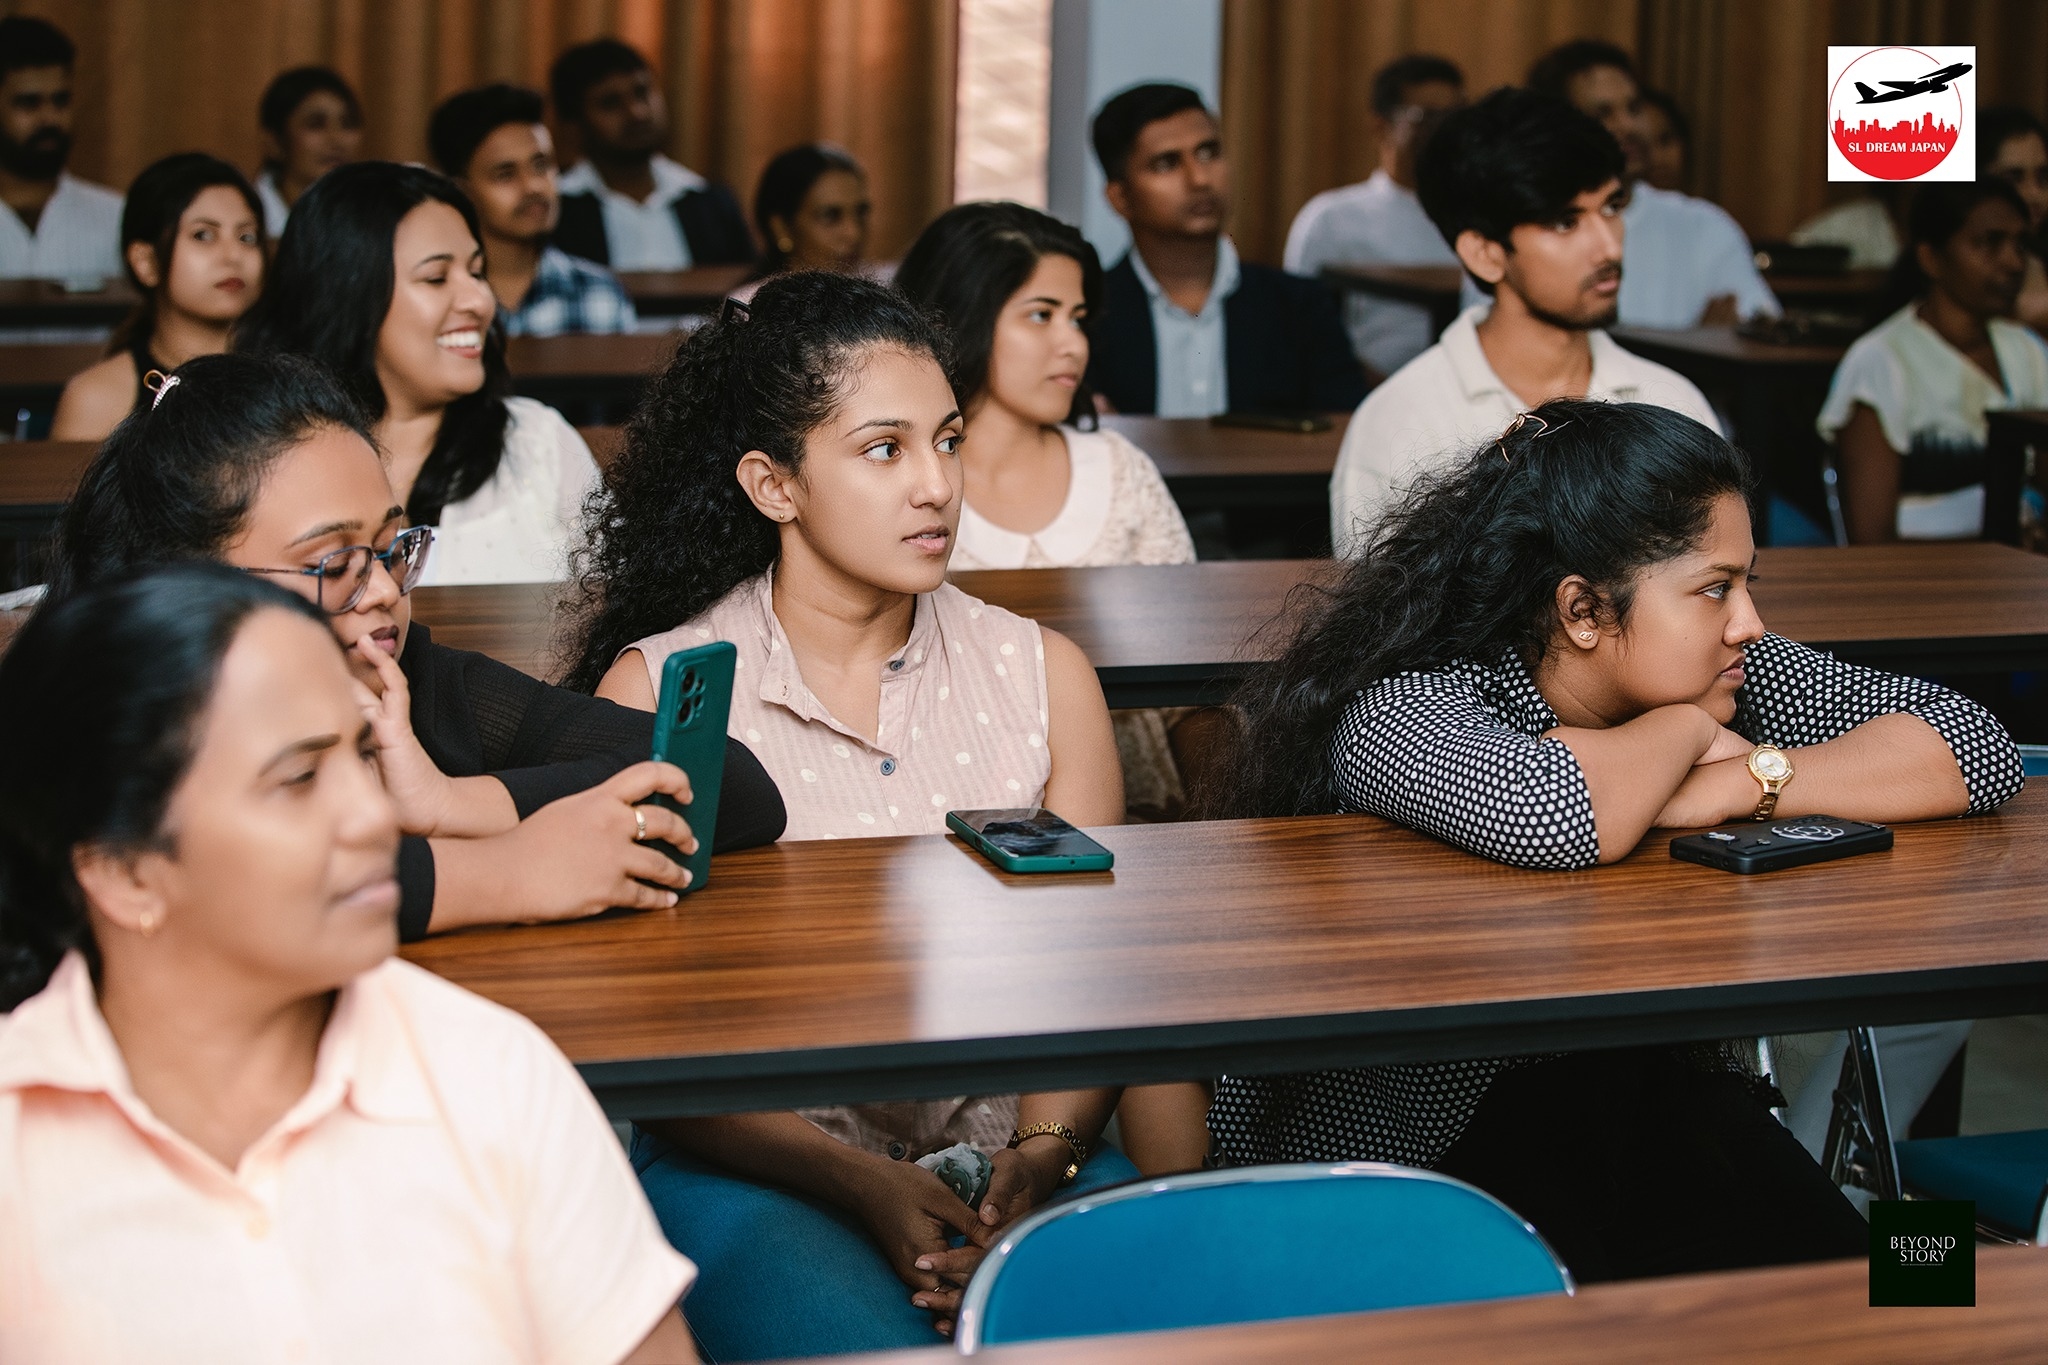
(1771, 764)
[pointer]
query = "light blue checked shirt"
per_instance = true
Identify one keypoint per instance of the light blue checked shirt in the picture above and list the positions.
(569, 294)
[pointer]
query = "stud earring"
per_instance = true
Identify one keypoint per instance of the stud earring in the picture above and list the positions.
(784, 245)
(147, 923)
(1585, 635)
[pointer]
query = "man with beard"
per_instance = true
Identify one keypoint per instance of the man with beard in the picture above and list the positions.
(494, 144)
(56, 226)
(1188, 329)
(1529, 193)
(626, 205)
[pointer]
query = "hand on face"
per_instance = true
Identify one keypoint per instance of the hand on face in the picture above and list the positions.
(430, 349)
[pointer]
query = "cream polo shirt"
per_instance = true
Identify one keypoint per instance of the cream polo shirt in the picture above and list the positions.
(518, 528)
(446, 1191)
(1447, 402)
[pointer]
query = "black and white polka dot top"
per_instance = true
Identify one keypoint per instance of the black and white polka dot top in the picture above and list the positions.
(1459, 754)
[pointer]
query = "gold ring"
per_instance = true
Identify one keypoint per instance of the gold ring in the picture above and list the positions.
(639, 825)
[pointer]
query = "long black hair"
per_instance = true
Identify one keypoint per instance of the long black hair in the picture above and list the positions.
(175, 482)
(1938, 212)
(967, 264)
(101, 696)
(329, 291)
(1466, 567)
(157, 200)
(784, 182)
(673, 531)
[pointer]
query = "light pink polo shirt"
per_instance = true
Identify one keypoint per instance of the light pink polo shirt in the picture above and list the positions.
(446, 1191)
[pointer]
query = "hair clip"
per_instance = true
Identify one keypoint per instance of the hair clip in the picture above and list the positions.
(158, 383)
(1523, 419)
(732, 310)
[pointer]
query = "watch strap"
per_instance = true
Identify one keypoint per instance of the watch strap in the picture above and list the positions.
(1064, 1134)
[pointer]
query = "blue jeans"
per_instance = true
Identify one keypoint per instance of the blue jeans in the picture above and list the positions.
(780, 1274)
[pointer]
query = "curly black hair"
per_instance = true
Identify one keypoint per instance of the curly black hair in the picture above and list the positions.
(673, 531)
(1466, 567)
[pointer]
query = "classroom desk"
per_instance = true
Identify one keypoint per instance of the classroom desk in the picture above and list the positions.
(1784, 1315)
(33, 374)
(1179, 635)
(682, 293)
(2013, 449)
(858, 970)
(47, 303)
(589, 378)
(1836, 290)
(1435, 287)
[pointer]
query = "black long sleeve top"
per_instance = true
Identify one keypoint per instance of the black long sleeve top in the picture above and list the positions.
(476, 717)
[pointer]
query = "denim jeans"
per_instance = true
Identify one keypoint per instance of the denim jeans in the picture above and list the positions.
(780, 1274)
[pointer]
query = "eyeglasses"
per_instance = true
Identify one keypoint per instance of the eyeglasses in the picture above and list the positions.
(342, 576)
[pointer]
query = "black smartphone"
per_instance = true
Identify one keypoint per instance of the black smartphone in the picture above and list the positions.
(689, 731)
(1303, 423)
(1769, 845)
(1032, 839)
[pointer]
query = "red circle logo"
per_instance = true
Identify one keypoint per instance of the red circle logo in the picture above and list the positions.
(1895, 112)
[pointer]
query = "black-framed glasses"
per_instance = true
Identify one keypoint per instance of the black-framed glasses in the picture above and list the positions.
(342, 576)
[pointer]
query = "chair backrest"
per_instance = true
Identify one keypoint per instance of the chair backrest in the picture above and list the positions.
(1248, 1245)
(2034, 759)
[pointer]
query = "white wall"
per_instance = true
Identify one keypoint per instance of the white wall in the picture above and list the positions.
(1098, 48)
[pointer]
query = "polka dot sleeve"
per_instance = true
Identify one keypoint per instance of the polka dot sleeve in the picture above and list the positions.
(1435, 752)
(1797, 696)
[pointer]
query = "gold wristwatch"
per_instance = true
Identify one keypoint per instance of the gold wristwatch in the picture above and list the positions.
(1064, 1134)
(1772, 768)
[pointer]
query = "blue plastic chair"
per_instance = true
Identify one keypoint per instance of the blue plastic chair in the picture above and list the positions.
(2034, 758)
(2004, 1174)
(1250, 1245)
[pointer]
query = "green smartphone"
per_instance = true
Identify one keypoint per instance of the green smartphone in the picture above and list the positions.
(689, 731)
(1031, 839)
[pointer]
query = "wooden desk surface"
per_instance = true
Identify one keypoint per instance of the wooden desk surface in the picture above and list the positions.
(1785, 1315)
(855, 970)
(45, 366)
(629, 355)
(660, 293)
(1724, 346)
(1194, 448)
(41, 474)
(1838, 286)
(1429, 285)
(1179, 633)
(47, 303)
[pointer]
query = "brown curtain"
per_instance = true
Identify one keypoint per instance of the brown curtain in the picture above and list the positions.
(745, 78)
(1750, 75)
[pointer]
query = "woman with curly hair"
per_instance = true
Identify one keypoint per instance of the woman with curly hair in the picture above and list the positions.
(792, 484)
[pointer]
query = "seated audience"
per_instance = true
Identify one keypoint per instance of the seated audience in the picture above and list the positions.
(193, 245)
(1667, 142)
(1906, 410)
(1543, 653)
(380, 277)
(791, 485)
(493, 143)
(811, 208)
(56, 227)
(625, 204)
(516, 797)
(1529, 193)
(218, 1089)
(312, 122)
(1188, 329)
(1019, 292)
(1379, 221)
(1688, 262)
(1870, 224)
(2012, 145)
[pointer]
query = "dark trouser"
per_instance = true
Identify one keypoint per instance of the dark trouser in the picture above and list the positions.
(1634, 1163)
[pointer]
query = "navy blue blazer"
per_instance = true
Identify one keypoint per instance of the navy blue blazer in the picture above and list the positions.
(1285, 347)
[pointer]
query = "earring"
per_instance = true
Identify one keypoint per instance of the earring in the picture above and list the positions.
(784, 245)
(147, 923)
(1585, 635)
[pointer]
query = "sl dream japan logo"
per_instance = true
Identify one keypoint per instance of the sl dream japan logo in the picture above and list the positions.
(1902, 113)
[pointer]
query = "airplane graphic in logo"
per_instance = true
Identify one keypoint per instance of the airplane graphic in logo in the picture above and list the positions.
(1931, 83)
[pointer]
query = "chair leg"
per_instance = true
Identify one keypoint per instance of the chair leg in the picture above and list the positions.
(1859, 1143)
(1831, 486)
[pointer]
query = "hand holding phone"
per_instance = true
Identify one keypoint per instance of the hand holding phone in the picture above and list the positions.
(1029, 839)
(689, 731)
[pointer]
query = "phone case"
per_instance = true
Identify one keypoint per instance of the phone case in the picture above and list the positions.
(689, 731)
(1766, 847)
(1100, 861)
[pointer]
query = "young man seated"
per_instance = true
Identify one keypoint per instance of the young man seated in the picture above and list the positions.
(1689, 264)
(1379, 221)
(1529, 192)
(494, 144)
(55, 226)
(1189, 330)
(626, 205)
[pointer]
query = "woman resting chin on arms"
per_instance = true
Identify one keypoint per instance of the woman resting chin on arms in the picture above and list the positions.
(1542, 655)
(221, 1099)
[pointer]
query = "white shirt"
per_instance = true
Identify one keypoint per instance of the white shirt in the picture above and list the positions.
(1447, 402)
(1192, 372)
(640, 236)
(1931, 399)
(78, 236)
(1375, 222)
(1118, 511)
(518, 527)
(1863, 225)
(275, 210)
